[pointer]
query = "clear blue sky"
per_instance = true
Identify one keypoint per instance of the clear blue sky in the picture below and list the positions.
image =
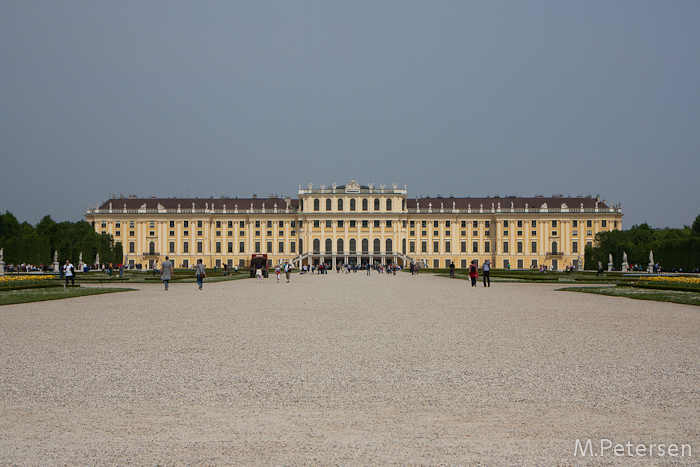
(162, 98)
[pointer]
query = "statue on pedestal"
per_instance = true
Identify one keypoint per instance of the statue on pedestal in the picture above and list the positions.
(55, 256)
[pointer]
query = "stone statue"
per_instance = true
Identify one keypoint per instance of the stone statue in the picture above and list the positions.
(97, 258)
(610, 258)
(651, 257)
(2, 253)
(624, 257)
(80, 258)
(55, 256)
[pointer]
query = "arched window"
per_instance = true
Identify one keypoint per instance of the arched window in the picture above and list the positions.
(377, 246)
(389, 246)
(554, 247)
(403, 205)
(317, 245)
(317, 205)
(364, 205)
(328, 204)
(403, 247)
(352, 204)
(329, 246)
(365, 246)
(353, 246)
(339, 250)
(376, 204)
(152, 248)
(340, 204)
(388, 205)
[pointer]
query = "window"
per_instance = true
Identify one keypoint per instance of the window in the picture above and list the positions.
(423, 247)
(376, 204)
(554, 224)
(447, 224)
(132, 247)
(364, 205)
(186, 233)
(292, 247)
(574, 224)
(328, 224)
(487, 224)
(475, 224)
(317, 224)
(268, 247)
(328, 204)
(353, 224)
(376, 224)
(185, 224)
(241, 224)
(218, 233)
(365, 246)
(230, 224)
(365, 224)
(521, 264)
(269, 224)
(377, 246)
(317, 205)
(533, 264)
(424, 224)
(199, 224)
(172, 224)
(388, 224)
(520, 233)
(152, 224)
(352, 204)
(464, 224)
(412, 224)
(424, 233)
(604, 223)
(505, 224)
(340, 204)
(475, 247)
(132, 224)
(242, 233)
(487, 233)
(171, 248)
(281, 247)
(533, 247)
(389, 246)
(293, 224)
(589, 223)
(436, 263)
(533, 224)
(463, 264)
(436, 247)
(463, 247)
(172, 233)
(241, 247)
(218, 247)
(520, 224)
(280, 233)
(117, 233)
(230, 247)
(412, 233)
(257, 224)
(520, 247)
(257, 247)
(533, 233)
(436, 233)
(353, 245)
(412, 247)
(574, 247)
(487, 247)
(505, 233)
(199, 233)
(218, 224)
(589, 232)
(388, 205)
(463, 233)
(505, 247)
(475, 233)
(554, 233)
(340, 224)
(200, 246)
(185, 247)
(447, 247)
(340, 246)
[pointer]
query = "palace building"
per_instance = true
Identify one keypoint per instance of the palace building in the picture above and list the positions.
(357, 224)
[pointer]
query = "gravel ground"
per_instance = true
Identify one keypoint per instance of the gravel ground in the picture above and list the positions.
(347, 370)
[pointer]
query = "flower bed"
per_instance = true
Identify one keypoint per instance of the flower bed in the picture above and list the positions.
(688, 283)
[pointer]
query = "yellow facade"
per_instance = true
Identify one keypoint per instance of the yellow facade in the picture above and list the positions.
(357, 224)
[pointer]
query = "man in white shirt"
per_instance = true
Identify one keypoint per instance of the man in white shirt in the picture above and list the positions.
(69, 272)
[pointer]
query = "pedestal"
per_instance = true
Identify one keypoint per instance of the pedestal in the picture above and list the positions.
(625, 267)
(55, 267)
(2, 268)
(650, 268)
(610, 267)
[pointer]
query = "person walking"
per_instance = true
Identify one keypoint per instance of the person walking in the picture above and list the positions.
(259, 274)
(277, 271)
(486, 271)
(288, 271)
(600, 269)
(166, 271)
(200, 273)
(452, 270)
(69, 272)
(473, 273)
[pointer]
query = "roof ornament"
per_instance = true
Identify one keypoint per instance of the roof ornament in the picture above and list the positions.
(544, 206)
(512, 205)
(394, 186)
(311, 185)
(564, 206)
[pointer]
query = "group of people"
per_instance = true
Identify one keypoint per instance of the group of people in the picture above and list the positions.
(474, 272)
(166, 272)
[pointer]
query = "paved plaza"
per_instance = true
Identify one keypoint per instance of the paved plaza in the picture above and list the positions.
(349, 370)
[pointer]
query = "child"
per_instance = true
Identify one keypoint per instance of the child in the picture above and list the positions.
(259, 274)
(277, 271)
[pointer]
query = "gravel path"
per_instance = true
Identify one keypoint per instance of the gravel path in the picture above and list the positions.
(346, 370)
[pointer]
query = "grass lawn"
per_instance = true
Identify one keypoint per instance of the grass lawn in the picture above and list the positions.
(673, 296)
(11, 297)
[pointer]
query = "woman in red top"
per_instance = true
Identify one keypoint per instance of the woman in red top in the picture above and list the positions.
(473, 273)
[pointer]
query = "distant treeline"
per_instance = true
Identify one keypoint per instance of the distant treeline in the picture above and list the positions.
(673, 248)
(24, 243)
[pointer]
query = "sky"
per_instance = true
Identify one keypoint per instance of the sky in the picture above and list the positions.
(464, 98)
